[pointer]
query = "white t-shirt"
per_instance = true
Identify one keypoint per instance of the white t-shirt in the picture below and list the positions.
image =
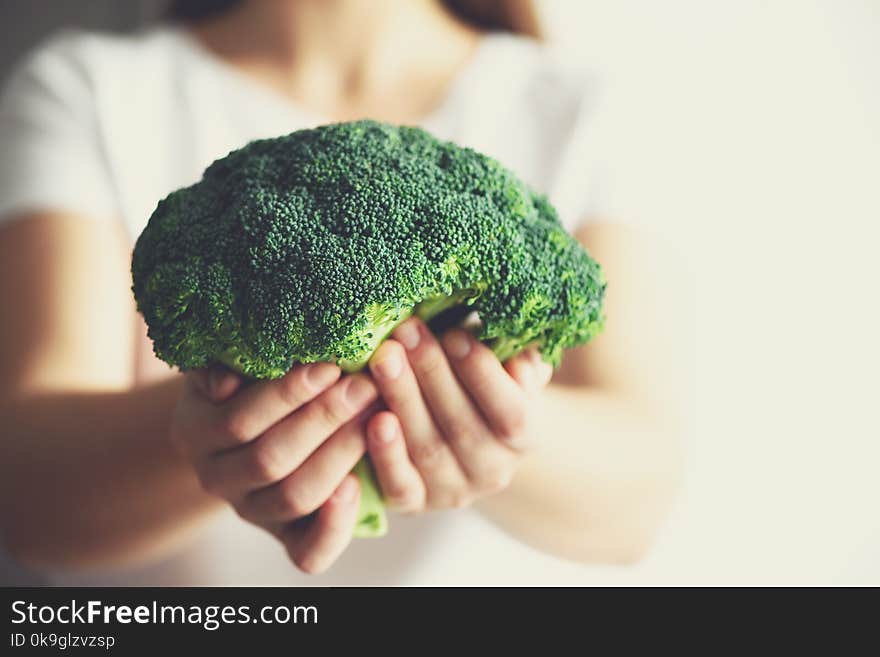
(105, 126)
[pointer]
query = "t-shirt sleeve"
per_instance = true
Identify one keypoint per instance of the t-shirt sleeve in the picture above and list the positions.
(52, 156)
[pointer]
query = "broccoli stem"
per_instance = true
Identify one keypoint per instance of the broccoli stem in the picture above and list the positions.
(433, 306)
(372, 520)
(506, 348)
(379, 331)
(425, 310)
(235, 360)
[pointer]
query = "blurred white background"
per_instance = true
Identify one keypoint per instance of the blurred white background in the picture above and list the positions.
(746, 134)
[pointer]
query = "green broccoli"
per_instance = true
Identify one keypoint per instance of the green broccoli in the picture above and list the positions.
(314, 246)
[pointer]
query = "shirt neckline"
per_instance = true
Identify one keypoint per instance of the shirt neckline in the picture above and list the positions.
(452, 94)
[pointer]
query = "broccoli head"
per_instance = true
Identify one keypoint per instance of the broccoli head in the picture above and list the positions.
(314, 246)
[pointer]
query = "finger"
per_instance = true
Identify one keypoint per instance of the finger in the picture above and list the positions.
(304, 490)
(431, 455)
(522, 371)
(484, 461)
(216, 382)
(259, 406)
(543, 370)
(196, 416)
(401, 484)
(315, 544)
(285, 447)
(529, 370)
(447, 401)
(400, 390)
(498, 396)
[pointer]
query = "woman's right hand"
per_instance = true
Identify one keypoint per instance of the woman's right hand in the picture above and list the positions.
(280, 451)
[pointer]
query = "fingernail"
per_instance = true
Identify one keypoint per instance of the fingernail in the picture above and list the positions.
(346, 492)
(408, 334)
(359, 391)
(386, 433)
(457, 344)
(320, 375)
(389, 366)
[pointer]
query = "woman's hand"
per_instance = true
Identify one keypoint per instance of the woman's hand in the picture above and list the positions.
(457, 418)
(280, 451)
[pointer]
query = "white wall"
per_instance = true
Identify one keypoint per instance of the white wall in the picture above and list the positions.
(748, 133)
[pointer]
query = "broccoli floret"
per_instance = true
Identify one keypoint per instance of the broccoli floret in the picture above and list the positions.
(314, 246)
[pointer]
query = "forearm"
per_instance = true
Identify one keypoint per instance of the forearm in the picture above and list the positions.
(598, 482)
(89, 478)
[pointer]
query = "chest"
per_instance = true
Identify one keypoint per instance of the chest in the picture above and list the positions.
(157, 142)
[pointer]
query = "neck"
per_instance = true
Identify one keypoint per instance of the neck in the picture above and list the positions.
(359, 43)
(387, 59)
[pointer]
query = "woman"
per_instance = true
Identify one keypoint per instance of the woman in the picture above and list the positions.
(114, 464)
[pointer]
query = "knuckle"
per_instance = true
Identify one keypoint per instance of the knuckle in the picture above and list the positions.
(395, 492)
(429, 360)
(495, 480)
(459, 432)
(236, 427)
(427, 453)
(292, 502)
(329, 410)
(262, 464)
(512, 426)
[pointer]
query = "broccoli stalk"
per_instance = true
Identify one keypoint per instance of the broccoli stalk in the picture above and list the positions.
(372, 520)
(315, 245)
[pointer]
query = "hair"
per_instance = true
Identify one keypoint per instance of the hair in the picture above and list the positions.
(517, 16)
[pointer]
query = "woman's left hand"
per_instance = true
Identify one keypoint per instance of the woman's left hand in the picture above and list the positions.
(457, 420)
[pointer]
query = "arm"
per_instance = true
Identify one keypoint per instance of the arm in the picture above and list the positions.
(606, 463)
(81, 444)
(99, 470)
